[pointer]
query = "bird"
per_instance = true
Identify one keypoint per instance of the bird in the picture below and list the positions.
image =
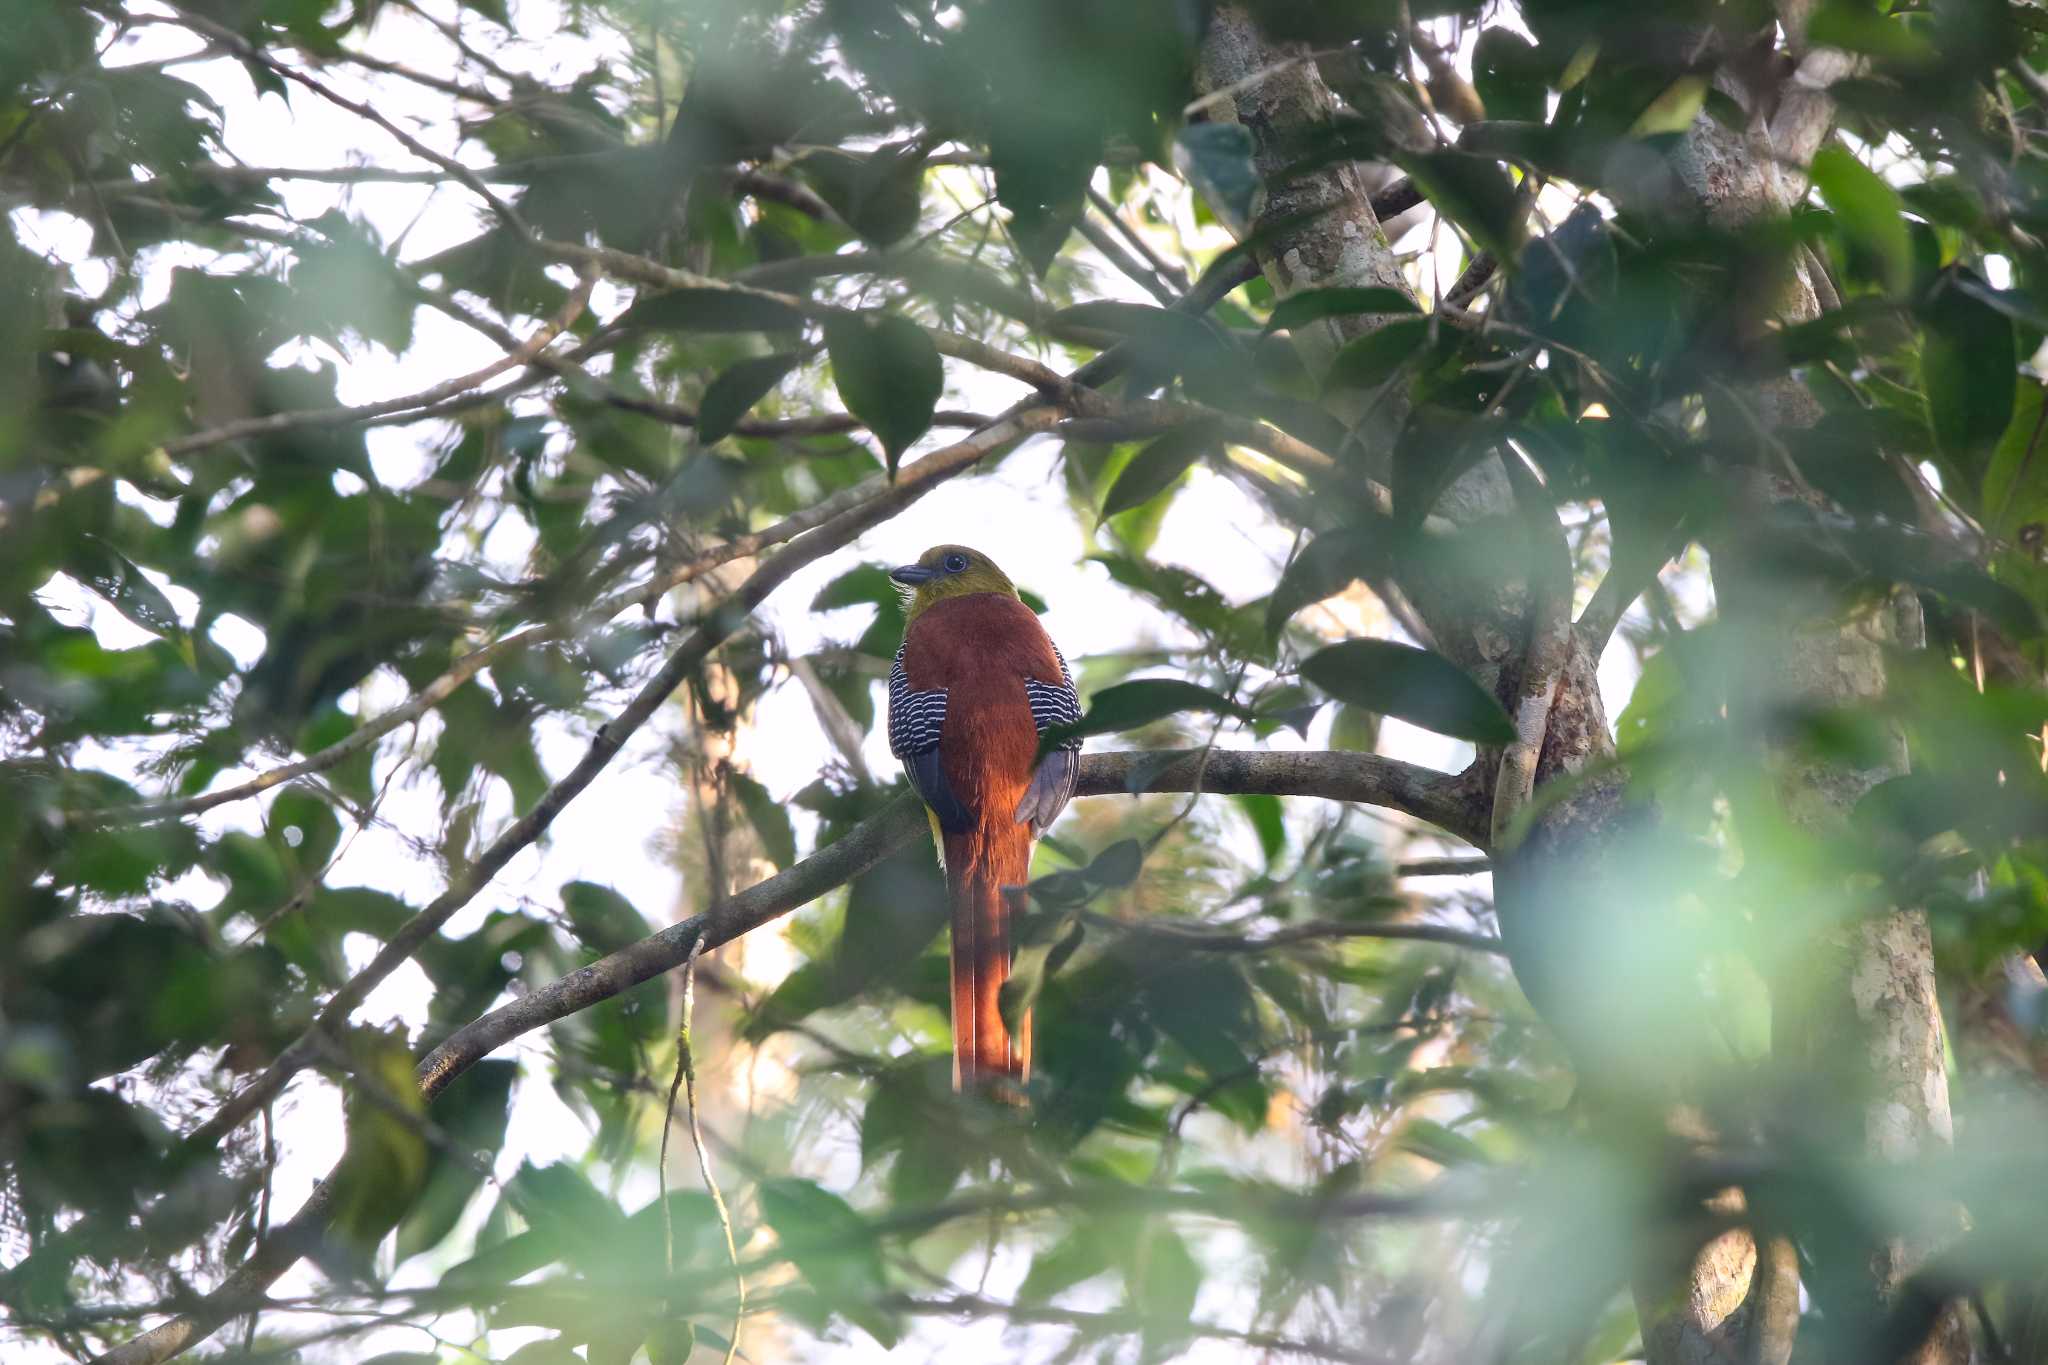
(974, 687)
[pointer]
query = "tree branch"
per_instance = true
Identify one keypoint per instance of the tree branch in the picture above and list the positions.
(1439, 797)
(715, 625)
(523, 353)
(249, 52)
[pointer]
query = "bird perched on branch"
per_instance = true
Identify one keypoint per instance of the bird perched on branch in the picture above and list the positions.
(974, 686)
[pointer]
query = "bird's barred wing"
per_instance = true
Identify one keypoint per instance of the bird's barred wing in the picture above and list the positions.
(1053, 784)
(916, 720)
(1055, 703)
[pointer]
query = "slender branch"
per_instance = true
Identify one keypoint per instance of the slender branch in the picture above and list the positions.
(1396, 199)
(646, 271)
(1165, 269)
(234, 42)
(526, 353)
(1129, 266)
(1336, 775)
(716, 624)
(686, 1077)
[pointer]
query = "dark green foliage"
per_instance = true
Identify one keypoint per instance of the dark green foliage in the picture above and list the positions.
(1246, 1063)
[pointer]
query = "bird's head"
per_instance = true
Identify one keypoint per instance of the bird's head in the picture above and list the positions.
(948, 571)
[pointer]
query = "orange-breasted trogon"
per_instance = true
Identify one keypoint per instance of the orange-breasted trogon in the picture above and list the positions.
(975, 684)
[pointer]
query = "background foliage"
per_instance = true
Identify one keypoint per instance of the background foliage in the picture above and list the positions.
(739, 261)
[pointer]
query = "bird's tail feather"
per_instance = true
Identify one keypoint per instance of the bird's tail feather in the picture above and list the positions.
(980, 863)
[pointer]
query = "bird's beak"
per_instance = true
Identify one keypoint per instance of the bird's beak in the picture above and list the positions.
(913, 574)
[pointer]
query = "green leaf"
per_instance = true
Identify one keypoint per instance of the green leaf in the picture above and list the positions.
(878, 194)
(1967, 367)
(671, 1342)
(602, 918)
(1869, 215)
(733, 394)
(2016, 483)
(1311, 304)
(111, 574)
(1085, 1252)
(1154, 469)
(833, 1249)
(1507, 71)
(1445, 1146)
(1163, 328)
(1127, 706)
(712, 310)
(1674, 109)
(1117, 865)
(1371, 359)
(889, 375)
(1164, 1281)
(1326, 566)
(1474, 192)
(770, 819)
(1412, 684)
(472, 1111)
(1267, 822)
(1217, 160)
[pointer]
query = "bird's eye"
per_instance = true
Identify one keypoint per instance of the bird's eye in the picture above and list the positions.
(956, 563)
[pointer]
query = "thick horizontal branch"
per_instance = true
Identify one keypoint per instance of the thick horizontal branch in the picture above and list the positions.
(1440, 798)
(1422, 792)
(1320, 931)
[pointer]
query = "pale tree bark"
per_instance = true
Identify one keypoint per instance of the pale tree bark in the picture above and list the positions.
(1865, 1015)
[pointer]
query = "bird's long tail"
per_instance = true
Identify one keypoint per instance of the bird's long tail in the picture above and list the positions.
(979, 864)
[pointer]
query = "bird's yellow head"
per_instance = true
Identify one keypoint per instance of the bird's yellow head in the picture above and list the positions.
(948, 571)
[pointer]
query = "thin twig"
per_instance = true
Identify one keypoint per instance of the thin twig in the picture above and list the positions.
(1166, 269)
(250, 52)
(686, 1079)
(714, 626)
(527, 353)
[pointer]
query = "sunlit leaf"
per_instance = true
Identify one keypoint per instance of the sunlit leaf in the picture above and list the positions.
(889, 375)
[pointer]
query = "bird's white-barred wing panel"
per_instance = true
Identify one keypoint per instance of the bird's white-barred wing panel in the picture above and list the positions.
(1055, 703)
(915, 718)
